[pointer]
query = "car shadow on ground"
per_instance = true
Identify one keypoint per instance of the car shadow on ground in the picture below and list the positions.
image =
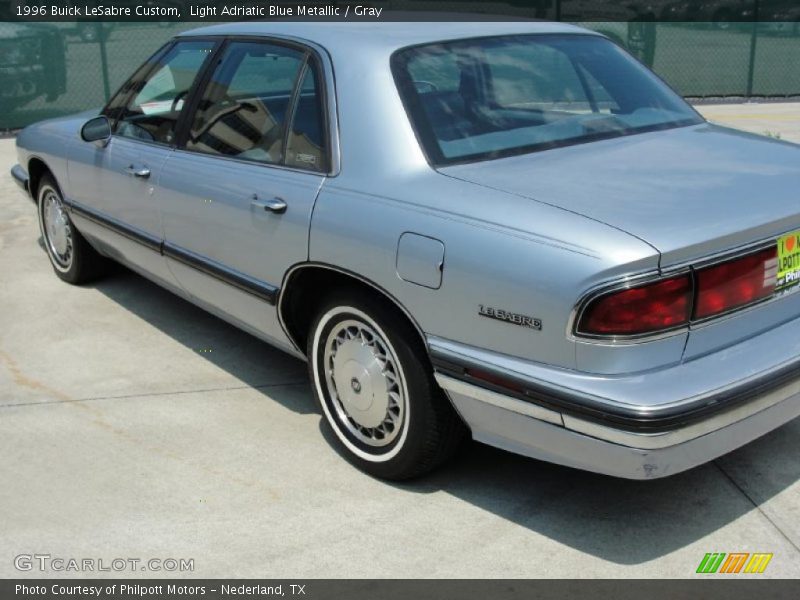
(250, 360)
(623, 521)
(626, 522)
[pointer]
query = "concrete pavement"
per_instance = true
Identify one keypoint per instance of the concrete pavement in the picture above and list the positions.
(777, 119)
(134, 425)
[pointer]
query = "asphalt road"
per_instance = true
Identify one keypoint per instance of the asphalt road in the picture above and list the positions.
(134, 425)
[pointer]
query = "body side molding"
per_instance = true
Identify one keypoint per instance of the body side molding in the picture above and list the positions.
(261, 289)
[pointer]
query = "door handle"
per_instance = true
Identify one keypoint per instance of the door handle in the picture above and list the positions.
(276, 205)
(142, 173)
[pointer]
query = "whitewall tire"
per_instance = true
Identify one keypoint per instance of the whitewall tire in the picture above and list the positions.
(375, 388)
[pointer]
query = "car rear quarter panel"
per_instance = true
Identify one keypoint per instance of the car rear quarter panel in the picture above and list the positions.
(501, 250)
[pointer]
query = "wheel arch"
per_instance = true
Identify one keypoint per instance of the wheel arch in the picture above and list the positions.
(37, 169)
(301, 293)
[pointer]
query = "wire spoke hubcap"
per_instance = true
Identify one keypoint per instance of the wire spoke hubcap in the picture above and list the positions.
(58, 232)
(362, 379)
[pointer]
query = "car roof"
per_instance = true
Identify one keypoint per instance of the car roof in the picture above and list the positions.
(384, 36)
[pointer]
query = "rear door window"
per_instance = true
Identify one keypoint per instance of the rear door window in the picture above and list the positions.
(261, 104)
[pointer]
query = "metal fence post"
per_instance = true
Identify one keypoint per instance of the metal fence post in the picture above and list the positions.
(101, 38)
(751, 71)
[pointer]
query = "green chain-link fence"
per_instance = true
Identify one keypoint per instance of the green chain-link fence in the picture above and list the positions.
(54, 69)
(739, 59)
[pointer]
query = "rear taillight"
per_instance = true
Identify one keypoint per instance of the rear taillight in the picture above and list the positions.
(735, 283)
(674, 302)
(665, 304)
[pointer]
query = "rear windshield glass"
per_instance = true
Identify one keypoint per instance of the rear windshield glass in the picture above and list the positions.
(490, 97)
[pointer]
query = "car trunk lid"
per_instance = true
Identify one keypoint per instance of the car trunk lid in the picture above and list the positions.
(690, 192)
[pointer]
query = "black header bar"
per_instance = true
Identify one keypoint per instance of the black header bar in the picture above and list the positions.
(402, 10)
(712, 588)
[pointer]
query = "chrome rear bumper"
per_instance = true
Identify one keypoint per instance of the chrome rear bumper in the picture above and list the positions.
(639, 426)
(618, 453)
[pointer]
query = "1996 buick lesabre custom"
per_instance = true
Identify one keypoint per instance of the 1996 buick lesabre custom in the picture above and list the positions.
(513, 230)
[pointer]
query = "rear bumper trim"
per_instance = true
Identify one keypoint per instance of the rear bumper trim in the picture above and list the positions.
(588, 446)
(607, 411)
(521, 407)
(639, 440)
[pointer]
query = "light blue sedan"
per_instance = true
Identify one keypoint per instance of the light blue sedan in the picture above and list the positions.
(510, 231)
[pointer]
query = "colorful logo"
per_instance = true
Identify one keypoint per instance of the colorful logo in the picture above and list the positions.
(735, 562)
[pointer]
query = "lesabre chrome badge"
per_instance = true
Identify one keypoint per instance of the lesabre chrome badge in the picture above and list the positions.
(510, 317)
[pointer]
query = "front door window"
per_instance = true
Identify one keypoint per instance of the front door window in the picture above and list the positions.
(153, 110)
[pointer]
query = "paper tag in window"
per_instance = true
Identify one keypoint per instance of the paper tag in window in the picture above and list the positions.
(158, 107)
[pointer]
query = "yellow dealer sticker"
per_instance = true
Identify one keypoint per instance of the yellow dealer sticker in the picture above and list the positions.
(788, 260)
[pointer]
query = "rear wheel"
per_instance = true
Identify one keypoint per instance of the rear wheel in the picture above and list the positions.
(376, 390)
(73, 259)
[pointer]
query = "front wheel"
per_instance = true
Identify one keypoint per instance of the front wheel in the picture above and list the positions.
(73, 259)
(376, 389)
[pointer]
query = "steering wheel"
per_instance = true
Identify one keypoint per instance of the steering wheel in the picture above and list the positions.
(227, 106)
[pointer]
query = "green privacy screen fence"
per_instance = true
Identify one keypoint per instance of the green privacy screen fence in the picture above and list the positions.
(54, 69)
